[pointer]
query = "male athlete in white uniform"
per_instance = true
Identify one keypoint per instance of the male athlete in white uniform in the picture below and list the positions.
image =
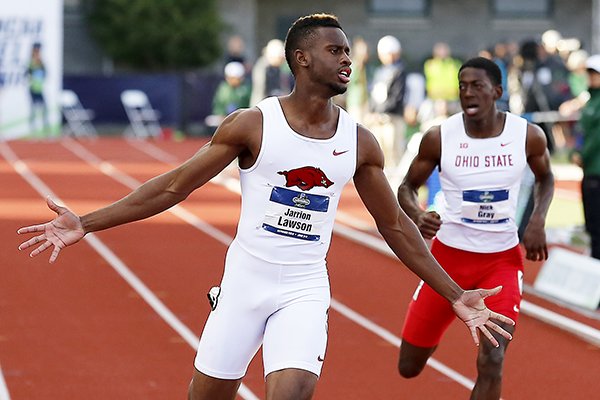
(295, 153)
(481, 154)
(275, 269)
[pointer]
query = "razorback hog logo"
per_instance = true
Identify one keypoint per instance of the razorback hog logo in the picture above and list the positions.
(305, 178)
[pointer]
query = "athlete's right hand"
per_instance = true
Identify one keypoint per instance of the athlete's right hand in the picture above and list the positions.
(62, 231)
(429, 223)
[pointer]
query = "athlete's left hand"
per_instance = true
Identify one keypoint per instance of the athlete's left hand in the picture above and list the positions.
(471, 309)
(534, 240)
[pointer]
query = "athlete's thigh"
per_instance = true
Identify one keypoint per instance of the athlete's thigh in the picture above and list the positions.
(234, 330)
(506, 269)
(427, 318)
(296, 337)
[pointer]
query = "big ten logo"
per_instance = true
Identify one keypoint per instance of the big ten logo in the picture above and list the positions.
(464, 145)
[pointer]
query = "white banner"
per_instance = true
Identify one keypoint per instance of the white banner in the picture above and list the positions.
(30, 92)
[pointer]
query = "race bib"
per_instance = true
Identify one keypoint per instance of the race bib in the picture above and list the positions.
(485, 207)
(296, 214)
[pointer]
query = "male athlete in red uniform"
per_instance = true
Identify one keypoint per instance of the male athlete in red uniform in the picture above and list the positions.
(481, 154)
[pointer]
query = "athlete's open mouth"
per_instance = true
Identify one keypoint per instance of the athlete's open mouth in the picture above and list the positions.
(344, 74)
(471, 109)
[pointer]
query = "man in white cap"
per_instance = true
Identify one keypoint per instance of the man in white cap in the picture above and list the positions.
(232, 93)
(270, 75)
(387, 99)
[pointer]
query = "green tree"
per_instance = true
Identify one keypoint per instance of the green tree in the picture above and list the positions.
(157, 35)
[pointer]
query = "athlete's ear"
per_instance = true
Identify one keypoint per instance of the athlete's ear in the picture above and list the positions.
(498, 91)
(302, 58)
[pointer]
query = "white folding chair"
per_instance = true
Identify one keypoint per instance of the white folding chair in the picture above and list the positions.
(78, 118)
(143, 119)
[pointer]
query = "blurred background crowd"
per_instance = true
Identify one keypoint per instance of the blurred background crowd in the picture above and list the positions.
(176, 68)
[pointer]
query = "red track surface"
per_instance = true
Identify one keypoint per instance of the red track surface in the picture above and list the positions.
(76, 329)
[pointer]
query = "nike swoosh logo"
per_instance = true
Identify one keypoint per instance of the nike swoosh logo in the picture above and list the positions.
(505, 144)
(319, 358)
(337, 153)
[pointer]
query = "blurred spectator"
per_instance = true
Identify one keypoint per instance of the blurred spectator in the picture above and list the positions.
(578, 77)
(357, 94)
(235, 50)
(578, 83)
(513, 80)
(544, 80)
(551, 74)
(414, 99)
(231, 94)
(441, 76)
(271, 75)
(550, 40)
(588, 155)
(386, 100)
(501, 58)
(36, 73)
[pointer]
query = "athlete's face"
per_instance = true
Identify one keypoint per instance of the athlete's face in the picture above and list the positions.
(478, 94)
(330, 59)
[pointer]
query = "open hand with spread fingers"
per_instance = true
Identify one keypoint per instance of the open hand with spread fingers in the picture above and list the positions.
(62, 231)
(471, 309)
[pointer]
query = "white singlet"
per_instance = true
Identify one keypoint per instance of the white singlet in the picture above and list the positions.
(275, 287)
(480, 180)
(290, 195)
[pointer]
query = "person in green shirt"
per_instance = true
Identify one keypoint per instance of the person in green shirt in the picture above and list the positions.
(36, 73)
(440, 73)
(588, 155)
(232, 93)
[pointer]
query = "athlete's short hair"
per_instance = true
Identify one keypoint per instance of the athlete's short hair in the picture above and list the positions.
(491, 68)
(302, 32)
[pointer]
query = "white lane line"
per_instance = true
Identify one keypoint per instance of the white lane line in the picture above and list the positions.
(396, 341)
(4, 395)
(120, 267)
(113, 172)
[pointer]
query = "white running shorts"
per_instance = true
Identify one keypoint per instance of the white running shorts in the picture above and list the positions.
(283, 307)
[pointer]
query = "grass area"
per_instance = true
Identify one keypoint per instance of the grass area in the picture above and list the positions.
(564, 213)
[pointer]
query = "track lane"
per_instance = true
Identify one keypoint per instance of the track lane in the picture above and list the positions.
(350, 383)
(61, 326)
(548, 377)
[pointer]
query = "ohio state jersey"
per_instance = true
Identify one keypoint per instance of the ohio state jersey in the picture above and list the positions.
(480, 180)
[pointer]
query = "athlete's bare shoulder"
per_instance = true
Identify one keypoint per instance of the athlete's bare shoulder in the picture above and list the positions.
(241, 126)
(536, 140)
(431, 143)
(241, 129)
(368, 149)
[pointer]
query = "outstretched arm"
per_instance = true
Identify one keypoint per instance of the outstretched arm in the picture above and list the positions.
(403, 237)
(238, 136)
